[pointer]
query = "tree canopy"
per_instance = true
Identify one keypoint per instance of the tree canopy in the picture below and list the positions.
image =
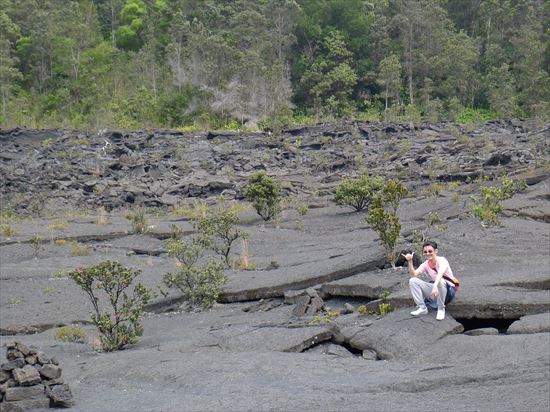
(216, 63)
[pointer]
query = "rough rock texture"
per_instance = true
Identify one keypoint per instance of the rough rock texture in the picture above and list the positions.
(391, 339)
(32, 386)
(531, 324)
(116, 168)
(253, 352)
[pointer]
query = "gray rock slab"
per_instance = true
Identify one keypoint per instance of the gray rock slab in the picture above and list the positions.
(400, 336)
(281, 339)
(350, 331)
(531, 324)
(482, 331)
(141, 244)
(50, 371)
(13, 364)
(300, 306)
(26, 376)
(369, 354)
(60, 395)
(25, 405)
(332, 350)
(19, 393)
(4, 376)
(369, 284)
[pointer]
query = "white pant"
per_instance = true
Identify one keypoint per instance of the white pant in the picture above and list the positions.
(422, 290)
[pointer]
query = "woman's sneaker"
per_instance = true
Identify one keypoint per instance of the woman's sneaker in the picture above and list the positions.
(419, 311)
(440, 314)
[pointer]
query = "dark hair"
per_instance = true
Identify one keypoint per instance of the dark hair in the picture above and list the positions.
(430, 243)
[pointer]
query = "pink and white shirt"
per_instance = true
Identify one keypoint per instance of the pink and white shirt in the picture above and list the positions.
(441, 263)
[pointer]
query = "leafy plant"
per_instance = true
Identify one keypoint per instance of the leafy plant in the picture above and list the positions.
(358, 193)
(71, 334)
(219, 226)
(138, 220)
(419, 237)
(476, 116)
(384, 308)
(80, 250)
(265, 195)
(7, 230)
(301, 211)
(384, 294)
(36, 244)
(432, 219)
(58, 225)
(102, 216)
(199, 284)
(382, 216)
(120, 325)
(175, 231)
(487, 207)
(326, 318)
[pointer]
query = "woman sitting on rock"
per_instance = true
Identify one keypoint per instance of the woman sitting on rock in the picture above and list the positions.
(437, 293)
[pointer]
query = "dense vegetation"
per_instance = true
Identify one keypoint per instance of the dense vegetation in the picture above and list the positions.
(222, 63)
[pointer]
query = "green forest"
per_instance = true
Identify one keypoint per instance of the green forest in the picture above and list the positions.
(201, 64)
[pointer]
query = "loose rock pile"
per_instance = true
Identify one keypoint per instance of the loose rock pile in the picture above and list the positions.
(308, 302)
(31, 380)
(114, 169)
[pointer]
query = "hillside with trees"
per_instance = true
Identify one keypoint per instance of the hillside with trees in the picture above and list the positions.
(266, 63)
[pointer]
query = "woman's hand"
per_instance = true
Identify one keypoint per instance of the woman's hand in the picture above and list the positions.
(434, 293)
(408, 257)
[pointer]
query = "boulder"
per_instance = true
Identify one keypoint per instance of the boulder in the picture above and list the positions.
(4, 376)
(26, 376)
(12, 364)
(315, 305)
(25, 405)
(400, 336)
(482, 331)
(331, 349)
(348, 308)
(350, 331)
(60, 395)
(50, 371)
(369, 354)
(531, 324)
(19, 393)
(12, 354)
(301, 306)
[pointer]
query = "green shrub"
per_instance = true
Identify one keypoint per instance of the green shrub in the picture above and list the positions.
(199, 284)
(36, 244)
(8, 230)
(265, 195)
(382, 216)
(432, 219)
(487, 207)
(80, 250)
(327, 318)
(220, 228)
(71, 334)
(384, 308)
(301, 211)
(120, 325)
(358, 193)
(476, 116)
(138, 220)
(280, 118)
